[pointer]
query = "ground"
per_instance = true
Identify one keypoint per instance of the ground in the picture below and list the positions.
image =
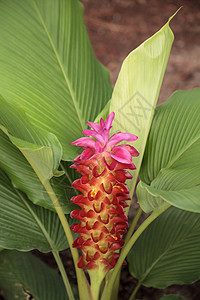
(117, 27)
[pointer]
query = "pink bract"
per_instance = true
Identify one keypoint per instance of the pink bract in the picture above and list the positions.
(103, 195)
(100, 132)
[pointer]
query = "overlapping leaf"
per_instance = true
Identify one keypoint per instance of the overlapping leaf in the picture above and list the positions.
(48, 68)
(171, 165)
(25, 226)
(168, 252)
(137, 88)
(34, 141)
(23, 276)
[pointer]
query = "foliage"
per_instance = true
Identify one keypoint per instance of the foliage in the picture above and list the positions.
(51, 84)
(23, 282)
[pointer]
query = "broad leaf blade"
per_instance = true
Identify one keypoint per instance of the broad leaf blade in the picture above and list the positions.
(48, 67)
(25, 226)
(39, 157)
(15, 123)
(137, 88)
(24, 178)
(173, 141)
(104, 113)
(150, 197)
(168, 252)
(23, 276)
(171, 164)
(42, 150)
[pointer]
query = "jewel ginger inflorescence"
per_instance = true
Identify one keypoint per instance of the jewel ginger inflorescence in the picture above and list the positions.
(104, 193)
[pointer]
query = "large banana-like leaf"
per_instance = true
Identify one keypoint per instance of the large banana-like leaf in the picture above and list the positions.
(24, 178)
(15, 124)
(23, 276)
(150, 197)
(171, 165)
(168, 252)
(48, 68)
(137, 88)
(25, 226)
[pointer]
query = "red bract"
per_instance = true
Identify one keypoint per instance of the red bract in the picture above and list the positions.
(103, 195)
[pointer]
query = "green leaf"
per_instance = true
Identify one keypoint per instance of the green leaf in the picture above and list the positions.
(25, 226)
(137, 88)
(14, 122)
(147, 198)
(26, 136)
(174, 137)
(104, 113)
(172, 297)
(47, 67)
(150, 198)
(23, 276)
(24, 178)
(171, 166)
(168, 252)
(39, 157)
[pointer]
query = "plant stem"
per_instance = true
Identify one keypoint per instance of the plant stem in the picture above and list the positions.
(95, 287)
(81, 279)
(133, 225)
(63, 274)
(96, 279)
(115, 288)
(68, 177)
(132, 297)
(108, 288)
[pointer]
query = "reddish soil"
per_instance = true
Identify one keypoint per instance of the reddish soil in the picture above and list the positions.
(117, 27)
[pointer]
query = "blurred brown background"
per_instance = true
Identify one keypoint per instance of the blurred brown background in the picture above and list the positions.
(117, 27)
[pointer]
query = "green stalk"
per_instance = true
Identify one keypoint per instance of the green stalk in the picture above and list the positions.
(132, 297)
(115, 288)
(63, 274)
(96, 278)
(68, 177)
(81, 279)
(54, 252)
(95, 287)
(133, 225)
(108, 288)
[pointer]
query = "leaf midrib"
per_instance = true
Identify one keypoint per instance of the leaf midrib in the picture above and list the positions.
(161, 256)
(182, 152)
(60, 64)
(40, 225)
(176, 157)
(69, 178)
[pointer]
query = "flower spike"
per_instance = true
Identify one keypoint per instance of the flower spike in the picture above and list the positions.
(103, 195)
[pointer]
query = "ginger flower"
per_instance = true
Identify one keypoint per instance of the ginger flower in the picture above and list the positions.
(103, 195)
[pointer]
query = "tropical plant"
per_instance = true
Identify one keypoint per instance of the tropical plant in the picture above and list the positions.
(52, 87)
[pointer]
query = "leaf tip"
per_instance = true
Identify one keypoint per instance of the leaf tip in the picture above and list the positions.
(174, 14)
